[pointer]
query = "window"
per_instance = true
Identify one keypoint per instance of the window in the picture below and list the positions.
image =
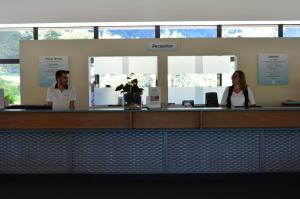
(66, 33)
(9, 41)
(113, 71)
(190, 77)
(188, 31)
(10, 81)
(9, 54)
(126, 32)
(250, 31)
(291, 31)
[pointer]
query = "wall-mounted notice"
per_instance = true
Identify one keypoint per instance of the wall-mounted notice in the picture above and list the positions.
(49, 65)
(273, 69)
(162, 46)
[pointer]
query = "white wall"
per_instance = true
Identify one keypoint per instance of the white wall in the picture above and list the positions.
(54, 11)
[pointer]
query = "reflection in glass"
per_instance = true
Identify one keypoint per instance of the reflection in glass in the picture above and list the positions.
(113, 71)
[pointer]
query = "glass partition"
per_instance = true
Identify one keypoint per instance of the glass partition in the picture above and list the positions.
(190, 77)
(106, 73)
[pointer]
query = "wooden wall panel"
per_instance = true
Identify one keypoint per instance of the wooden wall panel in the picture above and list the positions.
(157, 119)
(166, 119)
(56, 120)
(251, 119)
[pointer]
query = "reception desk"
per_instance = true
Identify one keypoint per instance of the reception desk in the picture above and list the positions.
(178, 140)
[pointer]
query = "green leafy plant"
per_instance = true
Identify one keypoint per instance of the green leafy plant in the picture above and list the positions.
(131, 87)
(10, 99)
(11, 91)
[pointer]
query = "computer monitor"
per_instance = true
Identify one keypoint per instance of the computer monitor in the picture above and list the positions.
(211, 99)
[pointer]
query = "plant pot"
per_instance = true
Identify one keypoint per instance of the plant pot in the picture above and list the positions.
(132, 101)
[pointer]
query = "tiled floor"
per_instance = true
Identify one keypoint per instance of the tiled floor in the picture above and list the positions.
(176, 186)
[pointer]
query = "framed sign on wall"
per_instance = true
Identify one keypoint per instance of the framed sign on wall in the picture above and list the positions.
(273, 69)
(48, 66)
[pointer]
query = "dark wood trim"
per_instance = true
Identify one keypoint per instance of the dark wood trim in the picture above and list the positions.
(130, 120)
(201, 119)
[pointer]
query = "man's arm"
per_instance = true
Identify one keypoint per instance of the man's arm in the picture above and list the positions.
(72, 99)
(72, 105)
(49, 98)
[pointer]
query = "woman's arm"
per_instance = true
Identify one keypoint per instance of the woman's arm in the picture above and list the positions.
(224, 97)
(251, 97)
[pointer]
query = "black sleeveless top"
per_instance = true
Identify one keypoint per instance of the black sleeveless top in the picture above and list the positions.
(228, 104)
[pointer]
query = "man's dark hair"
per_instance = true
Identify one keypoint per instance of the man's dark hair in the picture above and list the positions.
(59, 73)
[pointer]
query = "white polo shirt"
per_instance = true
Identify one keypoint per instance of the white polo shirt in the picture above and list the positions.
(238, 99)
(60, 100)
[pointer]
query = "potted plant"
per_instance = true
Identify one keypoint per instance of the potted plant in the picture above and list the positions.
(132, 93)
(8, 99)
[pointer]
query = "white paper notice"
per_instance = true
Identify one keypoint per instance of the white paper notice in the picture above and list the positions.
(154, 98)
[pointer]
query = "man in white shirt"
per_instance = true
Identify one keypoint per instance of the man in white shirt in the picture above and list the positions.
(60, 96)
